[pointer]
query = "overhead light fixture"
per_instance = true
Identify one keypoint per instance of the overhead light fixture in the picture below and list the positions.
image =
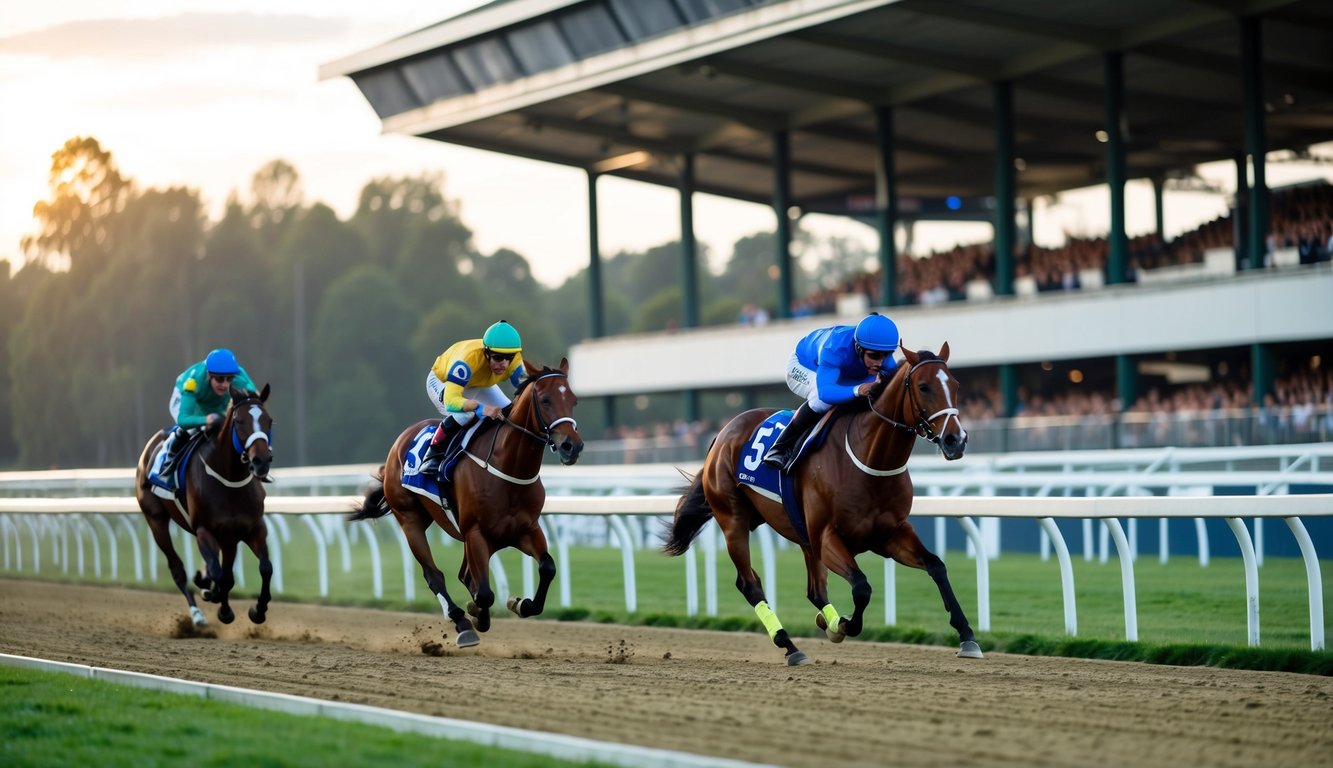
(620, 162)
(1103, 136)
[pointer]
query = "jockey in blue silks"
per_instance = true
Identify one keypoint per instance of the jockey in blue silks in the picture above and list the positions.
(830, 366)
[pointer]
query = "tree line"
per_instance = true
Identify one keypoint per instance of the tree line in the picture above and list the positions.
(123, 287)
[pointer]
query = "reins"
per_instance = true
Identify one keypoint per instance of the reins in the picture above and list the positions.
(548, 437)
(240, 450)
(923, 427)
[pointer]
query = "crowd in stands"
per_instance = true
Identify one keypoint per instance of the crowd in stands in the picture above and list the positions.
(1299, 411)
(1300, 219)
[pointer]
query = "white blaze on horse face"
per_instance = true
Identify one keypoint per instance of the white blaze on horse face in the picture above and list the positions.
(256, 433)
(952, 410)
(563, 389)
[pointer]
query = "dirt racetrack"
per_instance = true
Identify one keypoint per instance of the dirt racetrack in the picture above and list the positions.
(723, 694)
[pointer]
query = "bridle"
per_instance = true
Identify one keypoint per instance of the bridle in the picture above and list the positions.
(242, 450)
(547, 428)
(923, 427)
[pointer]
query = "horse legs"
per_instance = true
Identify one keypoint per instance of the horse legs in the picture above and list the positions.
(258, 543)
(534, 545)
(737, 535)
(161, 528)
(414, 530)
(225, 581)
(476, 574)
(214, 580)
(816, 591)
(837, 558)
(906, 548)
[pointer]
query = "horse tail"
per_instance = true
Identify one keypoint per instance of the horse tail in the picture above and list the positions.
(692, 514)
(374, 504)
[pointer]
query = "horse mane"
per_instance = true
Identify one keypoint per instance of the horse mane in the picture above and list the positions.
(522, 385)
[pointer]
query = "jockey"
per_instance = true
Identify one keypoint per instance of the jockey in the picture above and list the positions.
(199, 399)
(831, 366)
(464, 382)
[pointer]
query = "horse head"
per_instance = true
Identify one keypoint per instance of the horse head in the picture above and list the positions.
(551, 405)
(927, 401)
(250, 425)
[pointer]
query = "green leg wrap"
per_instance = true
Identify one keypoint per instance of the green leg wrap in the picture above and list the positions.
(831, 616)
(768, 618)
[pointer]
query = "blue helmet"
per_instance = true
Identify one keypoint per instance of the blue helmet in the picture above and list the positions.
(222, 363)
(503, 338)
(876, 332)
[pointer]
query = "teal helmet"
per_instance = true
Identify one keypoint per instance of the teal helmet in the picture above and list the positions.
(876, 332)
(502, 338)
(221, 362)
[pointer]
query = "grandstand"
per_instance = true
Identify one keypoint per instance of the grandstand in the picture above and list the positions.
(891, 112)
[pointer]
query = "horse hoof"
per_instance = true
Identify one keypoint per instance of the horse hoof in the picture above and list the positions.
(197, 616)
(521, 606)
(797, 659)
(970, 650)
(834, 635)
(226, 615)
(257, 616)
(467, 639)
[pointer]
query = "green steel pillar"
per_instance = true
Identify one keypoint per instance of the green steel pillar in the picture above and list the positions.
(609, 411)
(691, 402)
(1263, 363)
(1008, 399)
(1118, 257)
(1159, 207)
(689, 258)
(1005, 227)
(596, 316)
(1240, 232)
(886, 207)
(1256, 144)
(1126, 381)
(781, 204)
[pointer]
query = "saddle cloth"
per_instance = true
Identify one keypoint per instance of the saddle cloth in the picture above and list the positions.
(160, 486)
(429, 485)
(769, 482)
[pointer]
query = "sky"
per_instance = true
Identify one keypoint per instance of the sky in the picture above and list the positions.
(203, 94)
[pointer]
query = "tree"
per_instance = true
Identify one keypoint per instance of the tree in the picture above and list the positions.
(75, 223)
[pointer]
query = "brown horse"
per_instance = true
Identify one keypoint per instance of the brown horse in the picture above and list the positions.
(853, 489)
(224, 504)
(497, 495)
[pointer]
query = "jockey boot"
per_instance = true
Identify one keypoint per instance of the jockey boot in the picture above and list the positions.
(171, 452)
(438, 444)
(780, 455)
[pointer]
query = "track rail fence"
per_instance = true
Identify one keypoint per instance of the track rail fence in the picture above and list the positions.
(65, 523)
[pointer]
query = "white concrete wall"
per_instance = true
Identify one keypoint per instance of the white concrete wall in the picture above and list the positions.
(1242, 310)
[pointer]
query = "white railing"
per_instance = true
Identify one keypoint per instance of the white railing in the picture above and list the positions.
(70, 518)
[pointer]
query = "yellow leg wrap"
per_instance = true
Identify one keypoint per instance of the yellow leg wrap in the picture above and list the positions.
(768, 618)
(831, 616)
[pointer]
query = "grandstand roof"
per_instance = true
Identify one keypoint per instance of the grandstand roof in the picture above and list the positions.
(628, 86)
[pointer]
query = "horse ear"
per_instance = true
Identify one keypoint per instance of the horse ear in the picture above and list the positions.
(532, 368)
(564, 365)
(263, 394)
(908, 355)
(944, 352)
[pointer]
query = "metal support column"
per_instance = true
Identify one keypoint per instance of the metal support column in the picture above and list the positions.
(689, 257)
(781, 206)
(596, 316)
(1005, 226)
(886, 207)
(1263, 365)
(1256, 144)
(1118, 256)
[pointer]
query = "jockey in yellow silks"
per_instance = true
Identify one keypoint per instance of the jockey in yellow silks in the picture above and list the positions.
(465, 381)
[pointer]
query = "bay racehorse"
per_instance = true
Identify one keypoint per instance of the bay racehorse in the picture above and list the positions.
(222, 505)
(494, 500)
(853, 489)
